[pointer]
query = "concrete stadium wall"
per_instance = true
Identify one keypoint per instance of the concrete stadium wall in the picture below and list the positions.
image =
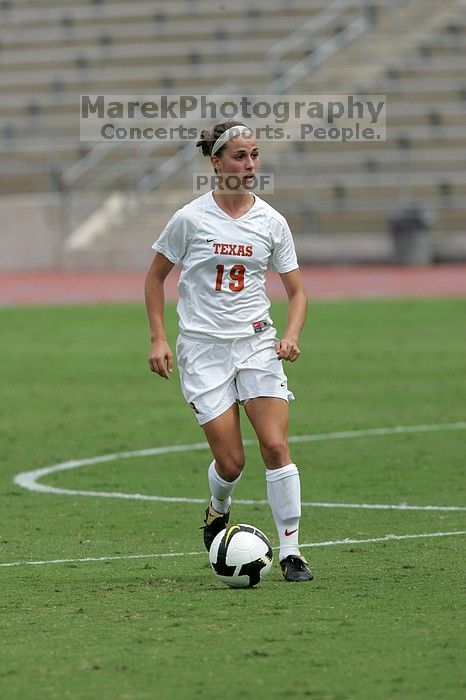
(31, 231)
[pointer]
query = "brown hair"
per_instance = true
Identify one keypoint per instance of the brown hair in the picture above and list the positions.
(208, 138)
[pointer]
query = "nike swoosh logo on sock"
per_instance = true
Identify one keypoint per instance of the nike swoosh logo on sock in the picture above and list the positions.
(291, 532)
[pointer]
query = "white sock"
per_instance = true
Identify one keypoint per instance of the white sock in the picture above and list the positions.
(220, 489)
(284, 495)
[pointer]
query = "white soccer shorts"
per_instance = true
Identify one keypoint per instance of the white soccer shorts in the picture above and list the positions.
(216, 373)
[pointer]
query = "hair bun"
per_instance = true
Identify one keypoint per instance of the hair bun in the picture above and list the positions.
(204, 136)
(206, 142)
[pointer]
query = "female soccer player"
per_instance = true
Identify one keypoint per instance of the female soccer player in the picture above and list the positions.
(228, 352)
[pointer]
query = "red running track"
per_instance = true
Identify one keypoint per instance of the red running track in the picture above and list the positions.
(341, 282)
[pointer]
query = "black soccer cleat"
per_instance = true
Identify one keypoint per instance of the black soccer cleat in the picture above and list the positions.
(214, 523)
(295, 568)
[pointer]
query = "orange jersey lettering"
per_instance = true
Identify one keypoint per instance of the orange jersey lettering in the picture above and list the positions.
(244, 251)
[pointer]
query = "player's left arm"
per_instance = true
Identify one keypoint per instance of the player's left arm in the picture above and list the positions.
(287, 348)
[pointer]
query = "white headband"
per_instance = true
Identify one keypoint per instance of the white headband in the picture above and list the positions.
(229, 134)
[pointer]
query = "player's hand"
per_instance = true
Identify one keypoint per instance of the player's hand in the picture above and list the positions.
(287, 349)
(161, 358)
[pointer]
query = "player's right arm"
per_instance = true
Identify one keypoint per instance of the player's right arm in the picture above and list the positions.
(160, 356)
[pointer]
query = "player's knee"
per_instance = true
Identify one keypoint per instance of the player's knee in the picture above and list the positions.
(231, 467)
(275, 451)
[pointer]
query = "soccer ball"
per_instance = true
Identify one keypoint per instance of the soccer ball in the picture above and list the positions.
(241, 556)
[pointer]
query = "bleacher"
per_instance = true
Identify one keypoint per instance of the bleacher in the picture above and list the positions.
(50, 55)
(411, 50)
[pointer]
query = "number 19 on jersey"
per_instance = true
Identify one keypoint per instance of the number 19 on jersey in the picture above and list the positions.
(235, 275)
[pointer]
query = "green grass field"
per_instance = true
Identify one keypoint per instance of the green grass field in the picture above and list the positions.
(381, 620)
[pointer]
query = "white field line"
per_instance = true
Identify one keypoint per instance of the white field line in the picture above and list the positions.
(29, 480)
(329, 543)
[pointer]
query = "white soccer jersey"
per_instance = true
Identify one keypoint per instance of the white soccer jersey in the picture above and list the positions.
(223, 263)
